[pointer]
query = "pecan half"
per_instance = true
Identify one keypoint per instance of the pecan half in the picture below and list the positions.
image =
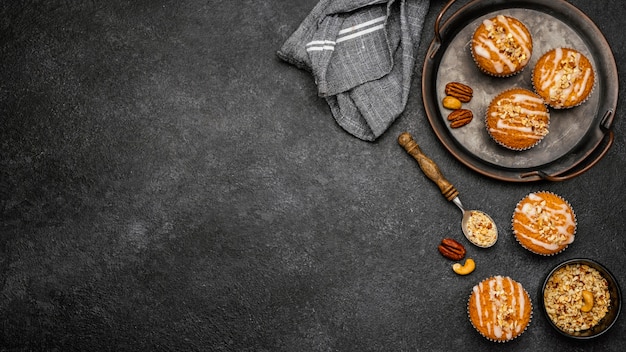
(451, 249)
(460, 117)
(460, 91)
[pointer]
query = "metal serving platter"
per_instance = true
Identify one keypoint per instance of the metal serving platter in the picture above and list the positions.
(579, 137)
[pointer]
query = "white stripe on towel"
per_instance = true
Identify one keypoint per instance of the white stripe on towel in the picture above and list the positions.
(364, 24)
(316, 42)
(320, 48)
(343, 35)
(320, 45)
(358, 34)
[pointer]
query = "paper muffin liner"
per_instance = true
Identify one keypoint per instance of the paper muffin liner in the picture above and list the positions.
(503, 144)
(511, 74)
(535, 252)
(530, 318)
(593, 87)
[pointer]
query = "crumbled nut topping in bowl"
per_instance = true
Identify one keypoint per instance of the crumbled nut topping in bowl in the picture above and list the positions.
(581, 298)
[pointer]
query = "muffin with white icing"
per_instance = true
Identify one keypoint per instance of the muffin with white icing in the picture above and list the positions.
(517, 119)
(499, 308)
(544, 223)
(563, 77)
(502, 46)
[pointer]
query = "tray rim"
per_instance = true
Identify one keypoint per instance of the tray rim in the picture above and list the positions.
(598, 138)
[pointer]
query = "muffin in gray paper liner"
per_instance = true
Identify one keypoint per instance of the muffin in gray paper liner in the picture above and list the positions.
(562, 80)
(486, 334)
(516, 47)
(525, 122)
(547, 225)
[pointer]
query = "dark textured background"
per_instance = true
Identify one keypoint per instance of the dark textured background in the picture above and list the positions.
(167, 184)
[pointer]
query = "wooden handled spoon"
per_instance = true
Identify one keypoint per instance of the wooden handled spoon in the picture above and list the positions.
(478, 227)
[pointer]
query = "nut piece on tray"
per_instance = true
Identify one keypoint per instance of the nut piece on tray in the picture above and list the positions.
(461, 117)
(460, 91)
(451, 103)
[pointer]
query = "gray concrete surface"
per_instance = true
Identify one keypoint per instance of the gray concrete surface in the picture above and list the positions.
(168, 184)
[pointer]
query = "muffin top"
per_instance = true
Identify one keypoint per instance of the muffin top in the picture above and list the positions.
(544, 223)
(502, 46)
(563, 77)
(517, 119)
(499, 308)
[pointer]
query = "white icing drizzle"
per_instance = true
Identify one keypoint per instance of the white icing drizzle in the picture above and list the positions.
(530, 212)
(552, 79)
(522, 301)
(506, 296)
(494, 308)
(580, 85)
(509, 123)
(546, 245)
(478, 306)
(487, 47)
(481, 51)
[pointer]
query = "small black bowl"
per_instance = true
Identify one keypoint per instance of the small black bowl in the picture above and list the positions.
(611, 316)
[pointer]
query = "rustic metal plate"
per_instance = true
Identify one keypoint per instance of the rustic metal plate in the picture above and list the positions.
(578, 138)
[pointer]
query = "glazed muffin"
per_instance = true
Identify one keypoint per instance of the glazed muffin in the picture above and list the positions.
(502, 46)
(499, 308)
(544, 223)
(517, 119)
(563, 77)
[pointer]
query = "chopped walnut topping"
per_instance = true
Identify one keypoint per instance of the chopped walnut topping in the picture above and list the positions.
(563, 297)
(546, 227)
(505, 313)
(514, 113)
(506, 43)
(569, 71)
(481, 229)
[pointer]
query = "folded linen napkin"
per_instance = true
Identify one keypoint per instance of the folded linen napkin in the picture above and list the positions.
(362, 56)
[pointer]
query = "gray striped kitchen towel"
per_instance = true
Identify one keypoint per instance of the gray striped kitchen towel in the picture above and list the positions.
(362, 56)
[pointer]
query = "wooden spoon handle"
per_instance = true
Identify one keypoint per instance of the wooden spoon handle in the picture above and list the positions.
(430, 169)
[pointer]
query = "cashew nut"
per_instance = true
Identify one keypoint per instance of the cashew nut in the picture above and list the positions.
(452, 103)
(465, 269)
(587, 301)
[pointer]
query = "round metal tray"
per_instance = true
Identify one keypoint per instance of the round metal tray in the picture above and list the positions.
(579, 137)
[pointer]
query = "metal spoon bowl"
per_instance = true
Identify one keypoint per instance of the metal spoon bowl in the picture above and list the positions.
(483, 235)
(478, 227)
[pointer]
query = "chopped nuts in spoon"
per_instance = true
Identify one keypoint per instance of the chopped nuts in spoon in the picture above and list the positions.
(480, 229)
